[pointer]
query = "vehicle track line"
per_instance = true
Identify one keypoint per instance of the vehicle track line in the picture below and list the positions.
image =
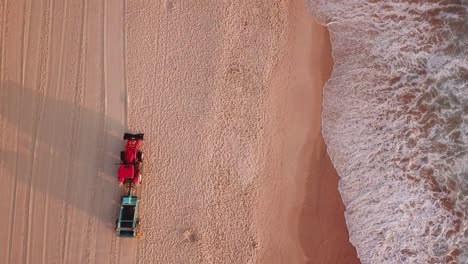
(90, 250)
(46, 206)
(52, 153)
(46, 82)
(104, 58)
(114, 252)
(15, 182)
(13, 198)
(35, 123)
(3, 12)
(126, 101)
(2, 45)
(60, 82)
(115, 246)
(24, 39)
(76, 124)
(4, 30)
(68, 210)
(87, 245)
(124, 25)
(42, 81)
(2, 55)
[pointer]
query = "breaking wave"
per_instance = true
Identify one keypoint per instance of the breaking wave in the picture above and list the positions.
(395, 122)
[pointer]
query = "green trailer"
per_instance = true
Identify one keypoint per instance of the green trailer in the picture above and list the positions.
(128, 223)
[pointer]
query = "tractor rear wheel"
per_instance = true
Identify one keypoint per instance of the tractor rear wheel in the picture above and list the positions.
(137, 228)
(140, 156)
(122, 156)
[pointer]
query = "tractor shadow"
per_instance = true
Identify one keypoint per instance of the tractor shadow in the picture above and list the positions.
(62, 149)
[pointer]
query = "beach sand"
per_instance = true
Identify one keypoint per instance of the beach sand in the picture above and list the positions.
(229, 96)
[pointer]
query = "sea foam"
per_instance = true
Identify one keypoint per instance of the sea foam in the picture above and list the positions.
(395, 122)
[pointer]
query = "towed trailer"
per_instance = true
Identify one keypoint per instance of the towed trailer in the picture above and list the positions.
(128, 223)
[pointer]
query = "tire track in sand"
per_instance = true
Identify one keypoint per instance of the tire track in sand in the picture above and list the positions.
(77, 111)
(61, 84)
(115, 242)
(4, 250)
(36, 202)
(56, 26)
(115, 245)
(2, 40)
(25, 38)
(46, 28)
(124, 56)
(35, 128)
(91, 230)
(13, 197)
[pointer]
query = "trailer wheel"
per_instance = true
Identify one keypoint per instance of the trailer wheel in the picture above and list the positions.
(137, 234)
(140, 156)
(122, 156)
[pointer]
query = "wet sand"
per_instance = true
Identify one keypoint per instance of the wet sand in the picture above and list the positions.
(229, 98)
(301, 214)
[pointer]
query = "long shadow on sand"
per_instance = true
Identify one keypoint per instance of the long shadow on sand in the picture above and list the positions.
(60, 149)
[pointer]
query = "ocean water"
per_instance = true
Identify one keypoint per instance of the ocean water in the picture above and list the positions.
(395, 122)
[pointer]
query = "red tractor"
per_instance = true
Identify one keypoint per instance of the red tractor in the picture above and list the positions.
(131, 159)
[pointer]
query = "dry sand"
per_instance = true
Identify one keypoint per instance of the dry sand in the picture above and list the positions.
(229, 98)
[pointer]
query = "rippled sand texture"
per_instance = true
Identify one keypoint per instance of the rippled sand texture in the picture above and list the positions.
(395, 121)
(198, 75)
